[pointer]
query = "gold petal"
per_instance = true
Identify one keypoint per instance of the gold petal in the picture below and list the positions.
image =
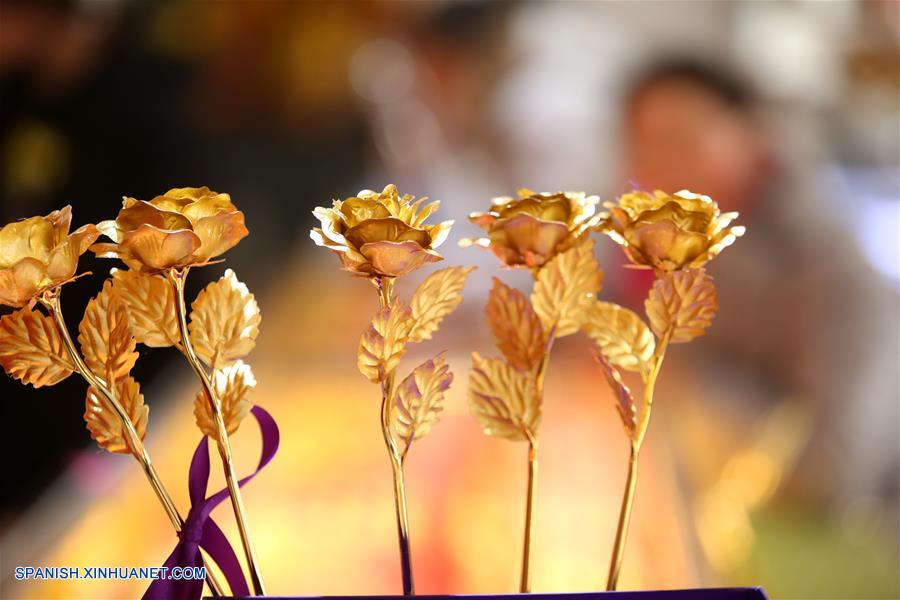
(159, 249)
(685, 219)
(319, 238)
(29, 238)
(555, 207)
(484, 220)
(332, 224)
(219, 233)
(109, 229)
(139, 213)
(357, 210)
(386, 230)
(393, 259)
(61, 220)
(64, 258)
(22, 282)
(208, 207)
(439, 233)
(30, 277)
(526, 234)
(664, 242)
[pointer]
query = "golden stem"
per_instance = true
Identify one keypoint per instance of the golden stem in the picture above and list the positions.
(177, 279)
(385, 296)
(138, 450)
(624, 519)
(531, 493)
(525, 578)
(618, 554)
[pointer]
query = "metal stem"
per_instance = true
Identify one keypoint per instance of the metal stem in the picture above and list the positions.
(525, 578)
(138, 450)
(385, 296)
(177, 278)
(624, 519)
(615, 563)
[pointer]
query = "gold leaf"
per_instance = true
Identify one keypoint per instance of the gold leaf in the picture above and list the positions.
(621, 335)
(516, 327)
(419, 397)
(31, 349)
(105, 336)
(224, 321)
(150, 302)
(384, 342)
(566, 287)
(503, 399)
(435, 298)
(624, 399)
(683, 301)
(233, 385)
(104, 424)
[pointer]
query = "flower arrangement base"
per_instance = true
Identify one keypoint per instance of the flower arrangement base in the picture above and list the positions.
(753, 593)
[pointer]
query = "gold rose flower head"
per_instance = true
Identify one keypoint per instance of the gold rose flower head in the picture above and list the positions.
(38, 254)
(530, 230)
(381, 235)
(184, 227)
(669, 232)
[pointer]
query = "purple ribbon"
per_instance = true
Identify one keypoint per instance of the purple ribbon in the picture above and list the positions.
(200, 531)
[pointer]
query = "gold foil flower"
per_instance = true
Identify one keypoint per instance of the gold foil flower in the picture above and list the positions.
(184, 227)
(530, 230)
(669, 232)
(38, 254)
(381, 235)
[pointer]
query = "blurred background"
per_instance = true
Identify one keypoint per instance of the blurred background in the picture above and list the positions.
(773, 458)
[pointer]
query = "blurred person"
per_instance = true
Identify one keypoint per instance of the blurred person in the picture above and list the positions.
(802, 316)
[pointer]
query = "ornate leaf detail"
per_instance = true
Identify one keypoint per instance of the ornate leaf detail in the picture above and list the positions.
(105, 336)
(233, 385)
(419, 397)
(684, 301)
(516, 327)
(624, 399)
(435, 298)
(151, 307)
(503, 399)
(31, 349)
(621, 335)
(566, 287)
(224, 321)
(104, 424)
(384, 342)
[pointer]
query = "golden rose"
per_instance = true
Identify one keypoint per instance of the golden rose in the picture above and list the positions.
(182, 228)
(38, 254)
(532, 229)
(667, 233)
(381, 235)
